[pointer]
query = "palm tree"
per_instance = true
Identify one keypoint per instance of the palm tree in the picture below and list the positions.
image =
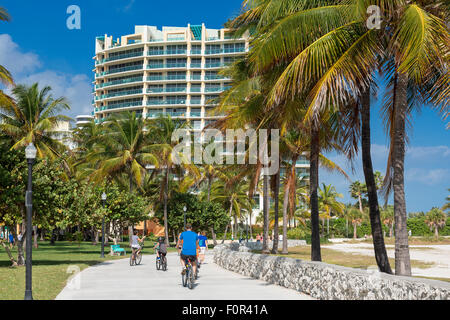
(357, 190)
(328, 202)
(234, 195)
(356, 218)
(387, 217)
(123, 149)
(162, 129)
(435, 219)
(5, 75)
(446, 206)
(31, 118)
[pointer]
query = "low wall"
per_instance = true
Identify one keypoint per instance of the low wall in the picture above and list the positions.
(253, 245)
(324, 281)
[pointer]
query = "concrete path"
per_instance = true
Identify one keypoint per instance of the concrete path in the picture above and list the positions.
(116, 280)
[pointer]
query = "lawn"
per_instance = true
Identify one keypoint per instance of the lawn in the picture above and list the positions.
(411, 241)
(50, 263)
(344, 259)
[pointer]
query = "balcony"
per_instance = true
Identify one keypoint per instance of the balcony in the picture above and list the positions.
(155, 90)
(216, 77)
(123, 105)
(176, 39)
(196, 77)
(195, 65)
(196, 52)
(195, 89)
(123, 56)
(165, 102)
(177, 114)
(170, 77)
(178, 89)
(214, 65)
(115, 82)
(154, 113)
(214, 89)
(195, 114)
(166, 52)
(130, 68)
(122, 93)
(225, 50)
(167, 65)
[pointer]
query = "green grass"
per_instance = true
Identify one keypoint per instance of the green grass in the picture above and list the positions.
(411, 241)
(50, 265)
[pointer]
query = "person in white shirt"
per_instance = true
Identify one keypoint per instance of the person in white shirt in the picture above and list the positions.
(135, 240)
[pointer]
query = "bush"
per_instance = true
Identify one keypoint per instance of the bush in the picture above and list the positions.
(299, 233)
(418, 227)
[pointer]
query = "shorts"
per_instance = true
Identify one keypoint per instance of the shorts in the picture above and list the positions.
(136, 247)
(162, 253)
(202, 250)
(185, 257)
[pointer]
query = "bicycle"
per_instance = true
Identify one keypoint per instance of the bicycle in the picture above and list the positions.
(136, 258)
(161, 263)
(188, 278)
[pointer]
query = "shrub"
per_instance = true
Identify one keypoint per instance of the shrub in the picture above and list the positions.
(299, 233)
(418, 227)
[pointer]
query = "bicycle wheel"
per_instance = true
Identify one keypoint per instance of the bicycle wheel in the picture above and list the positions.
(184, 278)
(132, 261)
(139, 258)
(158, 264)
(191, 278)
(164, 264)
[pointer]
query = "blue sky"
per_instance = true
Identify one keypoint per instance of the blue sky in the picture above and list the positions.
(37, 46)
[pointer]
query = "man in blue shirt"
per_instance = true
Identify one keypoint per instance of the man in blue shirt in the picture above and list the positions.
(188, 242)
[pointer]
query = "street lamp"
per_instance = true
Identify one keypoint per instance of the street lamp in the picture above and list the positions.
(184, 209)
(30, 154)
(103, 225)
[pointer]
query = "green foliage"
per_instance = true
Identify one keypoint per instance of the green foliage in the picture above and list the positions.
(201, 214)
(418, 227)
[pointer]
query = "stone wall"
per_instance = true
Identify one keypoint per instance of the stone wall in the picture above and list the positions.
(253, 245)
(324, 281)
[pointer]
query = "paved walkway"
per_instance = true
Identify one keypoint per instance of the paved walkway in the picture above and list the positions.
(116, 280)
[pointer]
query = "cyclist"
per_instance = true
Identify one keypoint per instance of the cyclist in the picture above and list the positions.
(203, 243)
(135, 240)
(161, 248)
(188, 242)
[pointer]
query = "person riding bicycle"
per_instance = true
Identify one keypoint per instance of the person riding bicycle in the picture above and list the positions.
(203, 243)
(188, 242)
(135, 240)
(161, 248)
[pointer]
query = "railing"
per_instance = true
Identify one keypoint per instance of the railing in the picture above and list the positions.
(153, 114)
(177, 114)
(124, 56)
(176, 39)
(196, 51)
(178, 89)
(130, 68)
(214, 89)
(159, 78)
(156, 40)
(214, 65)
(194, 89)
(165, 102)
(195, 114)
(112, 83)
(167, 65)
(122, 93)
(212, 38)
(224, 50)
(155, 90)
(164, 52)
(216, 77)
(196, 77)
(123, 105)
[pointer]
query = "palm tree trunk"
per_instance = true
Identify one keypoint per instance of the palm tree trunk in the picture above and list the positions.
(314, 200)
(35, 237)
(285, 218)
(354, 231)
(213, 235)
(225, 233)
(359, 196)
(276, 196)
(436, 232)
(130, 227)
(402, 258)
(209, 188)
(391, 230)
(374, 211)
(265, 248)
(166, 191)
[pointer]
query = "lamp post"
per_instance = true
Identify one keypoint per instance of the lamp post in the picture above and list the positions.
(30, 154)
(103, 226)
(184, 209)
(246, 230)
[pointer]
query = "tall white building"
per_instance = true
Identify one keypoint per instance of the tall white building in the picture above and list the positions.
(172, 71)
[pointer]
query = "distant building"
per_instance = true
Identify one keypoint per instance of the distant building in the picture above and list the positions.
(83, 119)
(63, 133)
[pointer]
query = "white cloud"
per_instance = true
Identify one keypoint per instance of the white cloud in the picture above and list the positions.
(428, 152)
(13, 59)
(26, 69)
(427, 176)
